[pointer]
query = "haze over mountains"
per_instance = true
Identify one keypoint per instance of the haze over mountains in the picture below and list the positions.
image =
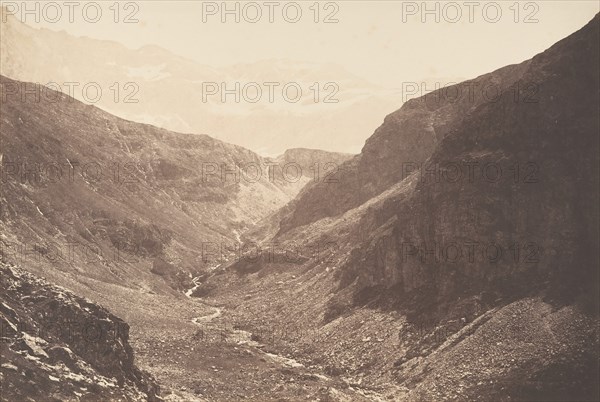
(455, 257)
(170, 91)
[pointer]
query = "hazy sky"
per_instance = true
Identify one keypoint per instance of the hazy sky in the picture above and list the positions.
(386, 42)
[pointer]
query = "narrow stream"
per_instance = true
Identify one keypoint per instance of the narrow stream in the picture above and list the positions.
(240, 336)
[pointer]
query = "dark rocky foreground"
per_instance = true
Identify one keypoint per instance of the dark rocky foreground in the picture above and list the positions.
(57, 346)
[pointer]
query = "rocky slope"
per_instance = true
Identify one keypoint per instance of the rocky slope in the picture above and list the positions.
(450, 284)
(75, 175)
(57, 346)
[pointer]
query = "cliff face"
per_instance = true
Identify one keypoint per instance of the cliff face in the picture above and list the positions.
(506, 201)
(57, 346)
(406, 139)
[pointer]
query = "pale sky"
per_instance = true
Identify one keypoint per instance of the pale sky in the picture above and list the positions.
(370, 38)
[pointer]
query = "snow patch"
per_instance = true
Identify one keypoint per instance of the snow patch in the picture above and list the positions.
(148, 72)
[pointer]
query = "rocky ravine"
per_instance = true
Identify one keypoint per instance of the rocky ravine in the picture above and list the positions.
(370, 293)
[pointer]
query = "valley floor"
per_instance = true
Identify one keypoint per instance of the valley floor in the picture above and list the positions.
(205, 349)
(207, 358)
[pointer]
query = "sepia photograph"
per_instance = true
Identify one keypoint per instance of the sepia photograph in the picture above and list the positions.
(311, 200)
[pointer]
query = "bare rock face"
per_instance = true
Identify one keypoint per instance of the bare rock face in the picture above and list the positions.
(405, 140)
(57, 346)
(522, 216)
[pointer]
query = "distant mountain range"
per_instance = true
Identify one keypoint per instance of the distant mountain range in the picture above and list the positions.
(173, 92)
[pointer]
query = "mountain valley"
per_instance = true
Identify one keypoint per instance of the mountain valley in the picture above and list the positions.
(454, 258)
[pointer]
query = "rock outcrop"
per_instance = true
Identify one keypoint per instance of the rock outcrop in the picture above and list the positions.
(57, 346)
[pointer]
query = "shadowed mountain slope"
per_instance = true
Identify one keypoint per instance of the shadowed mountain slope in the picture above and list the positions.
(446, 280)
